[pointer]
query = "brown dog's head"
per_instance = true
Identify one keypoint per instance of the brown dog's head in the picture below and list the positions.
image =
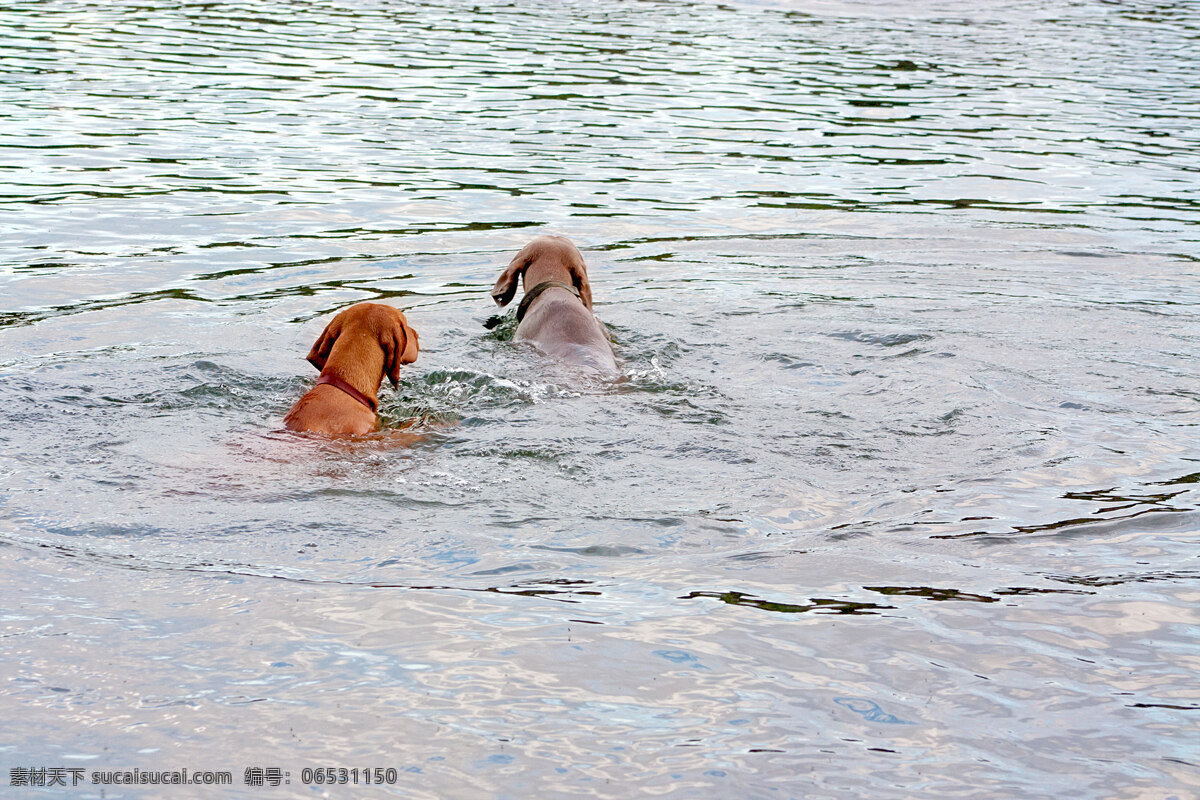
(546, 258)
(369, 322)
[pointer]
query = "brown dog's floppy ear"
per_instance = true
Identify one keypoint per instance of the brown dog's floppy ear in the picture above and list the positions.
(411, 345)
(400, 346)
(580, 279)
(506, 285)
(320, 350)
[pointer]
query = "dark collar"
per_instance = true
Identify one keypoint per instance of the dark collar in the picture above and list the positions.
(337, 383)
(533, 293)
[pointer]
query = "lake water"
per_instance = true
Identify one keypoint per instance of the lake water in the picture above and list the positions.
(899, 495)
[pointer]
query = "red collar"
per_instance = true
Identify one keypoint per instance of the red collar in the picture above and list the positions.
(338, 383)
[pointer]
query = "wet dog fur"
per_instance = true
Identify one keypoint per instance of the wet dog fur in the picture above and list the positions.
(359, 346)
(557, 322)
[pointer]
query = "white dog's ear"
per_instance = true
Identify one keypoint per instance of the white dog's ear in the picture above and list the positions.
(580, 279)
(506, 285)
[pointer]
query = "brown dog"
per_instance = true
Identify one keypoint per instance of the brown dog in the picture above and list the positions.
(555, 314)
(354, 352)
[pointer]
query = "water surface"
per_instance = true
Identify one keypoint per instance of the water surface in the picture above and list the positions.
(897, 496)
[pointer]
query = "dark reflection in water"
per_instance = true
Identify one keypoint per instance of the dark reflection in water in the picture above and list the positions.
(931, 593)
(817, 604)
(907, 306)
